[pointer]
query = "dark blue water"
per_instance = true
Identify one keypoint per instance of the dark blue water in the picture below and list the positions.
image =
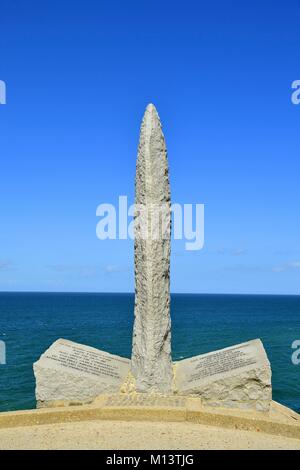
(29, 323)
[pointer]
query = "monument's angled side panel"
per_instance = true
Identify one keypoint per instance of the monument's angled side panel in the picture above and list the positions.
(72, 372)
(234, 377)
(151, 352)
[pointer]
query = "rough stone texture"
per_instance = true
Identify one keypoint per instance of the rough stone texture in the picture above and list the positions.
(73, 373)
(151, 351)
(235, 377)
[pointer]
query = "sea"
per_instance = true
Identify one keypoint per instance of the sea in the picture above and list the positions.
(31, 322)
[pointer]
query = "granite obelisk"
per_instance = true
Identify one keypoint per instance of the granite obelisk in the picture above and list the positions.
(151, 351)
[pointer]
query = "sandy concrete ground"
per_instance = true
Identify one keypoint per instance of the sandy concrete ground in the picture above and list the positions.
(120, 435)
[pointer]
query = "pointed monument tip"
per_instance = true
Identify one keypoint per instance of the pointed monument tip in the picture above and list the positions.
(151, 112)
(151, 107)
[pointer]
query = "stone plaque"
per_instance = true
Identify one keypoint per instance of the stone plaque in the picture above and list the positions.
(85, 360)
(69, 371)
(236, 376)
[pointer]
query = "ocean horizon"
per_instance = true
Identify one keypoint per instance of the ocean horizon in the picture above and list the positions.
(31, 321)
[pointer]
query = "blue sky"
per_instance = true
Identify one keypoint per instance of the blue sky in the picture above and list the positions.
(79, 75)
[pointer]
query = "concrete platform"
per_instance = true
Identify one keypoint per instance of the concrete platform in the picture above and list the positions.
(139, 435)
(139, 411)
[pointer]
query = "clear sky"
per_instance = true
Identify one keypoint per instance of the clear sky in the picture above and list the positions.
(79, 75)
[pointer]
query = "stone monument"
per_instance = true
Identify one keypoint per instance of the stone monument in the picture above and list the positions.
(235, 377)
(151, 361)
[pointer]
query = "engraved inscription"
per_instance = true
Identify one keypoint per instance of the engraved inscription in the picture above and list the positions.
(88, 361)
(145, 400)
(220, 362)
(201, 370)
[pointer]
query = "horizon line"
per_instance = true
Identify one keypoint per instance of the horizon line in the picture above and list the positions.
(133, 293)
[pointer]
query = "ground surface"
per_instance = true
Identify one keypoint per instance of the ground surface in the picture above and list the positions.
(119, 435)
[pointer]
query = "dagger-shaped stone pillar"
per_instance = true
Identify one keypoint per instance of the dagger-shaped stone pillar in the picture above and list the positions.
(151, 351)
